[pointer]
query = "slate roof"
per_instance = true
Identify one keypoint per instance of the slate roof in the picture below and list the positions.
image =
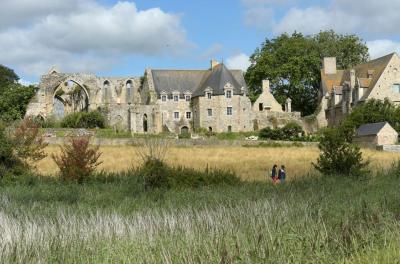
(370, 129)
(194, 80)
(216, 79)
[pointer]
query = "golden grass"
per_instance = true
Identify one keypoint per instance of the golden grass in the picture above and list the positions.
(248, 163)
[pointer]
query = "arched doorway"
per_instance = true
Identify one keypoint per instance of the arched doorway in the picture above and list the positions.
(145, 127)
(184, 130)
(58, 107)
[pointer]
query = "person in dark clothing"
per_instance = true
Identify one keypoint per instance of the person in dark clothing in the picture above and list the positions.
(282, 174)
(274, 175)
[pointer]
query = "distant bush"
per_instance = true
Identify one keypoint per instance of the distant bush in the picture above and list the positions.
(338, 156)
(92, 119)
(78, 160)
(290, 132)
(157, 174)
(185, 136)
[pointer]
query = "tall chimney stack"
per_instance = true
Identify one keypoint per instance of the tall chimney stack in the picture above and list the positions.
(265, 87)
(214, 63)
(330, 65)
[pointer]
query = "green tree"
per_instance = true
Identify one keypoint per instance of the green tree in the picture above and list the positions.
(14, 97)
(338, 156)
(293, 64)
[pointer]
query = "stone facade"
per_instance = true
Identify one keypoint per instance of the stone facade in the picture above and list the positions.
(383, 134)
(176, 101)
(342, 90)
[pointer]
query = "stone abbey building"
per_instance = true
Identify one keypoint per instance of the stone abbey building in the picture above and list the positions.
(215, 99)
(344, 89)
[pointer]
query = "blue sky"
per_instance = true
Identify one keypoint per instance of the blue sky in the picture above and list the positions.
(119, 38)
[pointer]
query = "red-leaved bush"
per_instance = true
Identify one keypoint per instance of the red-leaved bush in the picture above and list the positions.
(77, 160)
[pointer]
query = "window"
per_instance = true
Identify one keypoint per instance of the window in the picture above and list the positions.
(260, 106)
(129, 91)
(229, 110)
(188, 115)
(176, 98)
(176, 115)
(164, 98)
(209, 95)
(209, 129)
(396, 88)
(187, 98)
(209, 112)
(229, 94)
(229, 129)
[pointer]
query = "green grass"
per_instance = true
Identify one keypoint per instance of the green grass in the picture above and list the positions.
(114, 220)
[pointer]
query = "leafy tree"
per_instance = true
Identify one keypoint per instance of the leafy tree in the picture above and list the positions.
(293, 64)
(7, 77)
(372, 111)
(338, 156)
(14, 97)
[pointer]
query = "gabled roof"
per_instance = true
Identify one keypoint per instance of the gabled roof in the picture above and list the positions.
(371, 129)
(373, 67)
(216, 79)
(191, 80)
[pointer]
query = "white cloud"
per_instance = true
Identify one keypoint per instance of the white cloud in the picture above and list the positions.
(89, 36)
(372, 19)
(240, 61)
(379, 48)
(369, 18)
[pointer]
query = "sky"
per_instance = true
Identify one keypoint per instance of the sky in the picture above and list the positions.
(123, 38)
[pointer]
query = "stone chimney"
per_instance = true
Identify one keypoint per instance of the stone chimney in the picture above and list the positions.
(265, 87)
(330, 65)
(288, 105)
(214, 63)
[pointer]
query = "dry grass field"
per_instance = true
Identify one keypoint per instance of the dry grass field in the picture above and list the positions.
(248, 163)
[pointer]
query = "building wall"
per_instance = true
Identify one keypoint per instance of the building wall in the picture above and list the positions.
(391, 75)
(387, 136)
(240, 120)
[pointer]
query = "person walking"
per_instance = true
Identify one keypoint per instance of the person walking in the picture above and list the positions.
(274, 174)
(282, 174)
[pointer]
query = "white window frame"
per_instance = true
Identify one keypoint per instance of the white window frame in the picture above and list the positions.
(209, 111)
(229, 113)
(176, 115)
(188, 114)
(175, 96)
(164, 96)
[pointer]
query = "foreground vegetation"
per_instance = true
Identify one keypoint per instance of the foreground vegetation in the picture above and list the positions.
(113, 219)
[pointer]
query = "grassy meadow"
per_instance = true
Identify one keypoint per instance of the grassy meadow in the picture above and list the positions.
(308, 220)
(250, 163)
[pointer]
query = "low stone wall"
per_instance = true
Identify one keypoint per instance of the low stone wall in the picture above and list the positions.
(177, 142)
(389, 148)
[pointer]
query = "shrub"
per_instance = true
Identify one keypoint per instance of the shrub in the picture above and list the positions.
(291, 131)
(28, 142)
(184, 136)
(157, 174)
(339, 156)
(77, 160)
(92, 119)
(7, 157)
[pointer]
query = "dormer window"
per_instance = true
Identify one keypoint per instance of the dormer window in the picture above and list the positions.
(187, 98)
(163, 98)
(176, 98)
(208, 95)
(228, 94)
